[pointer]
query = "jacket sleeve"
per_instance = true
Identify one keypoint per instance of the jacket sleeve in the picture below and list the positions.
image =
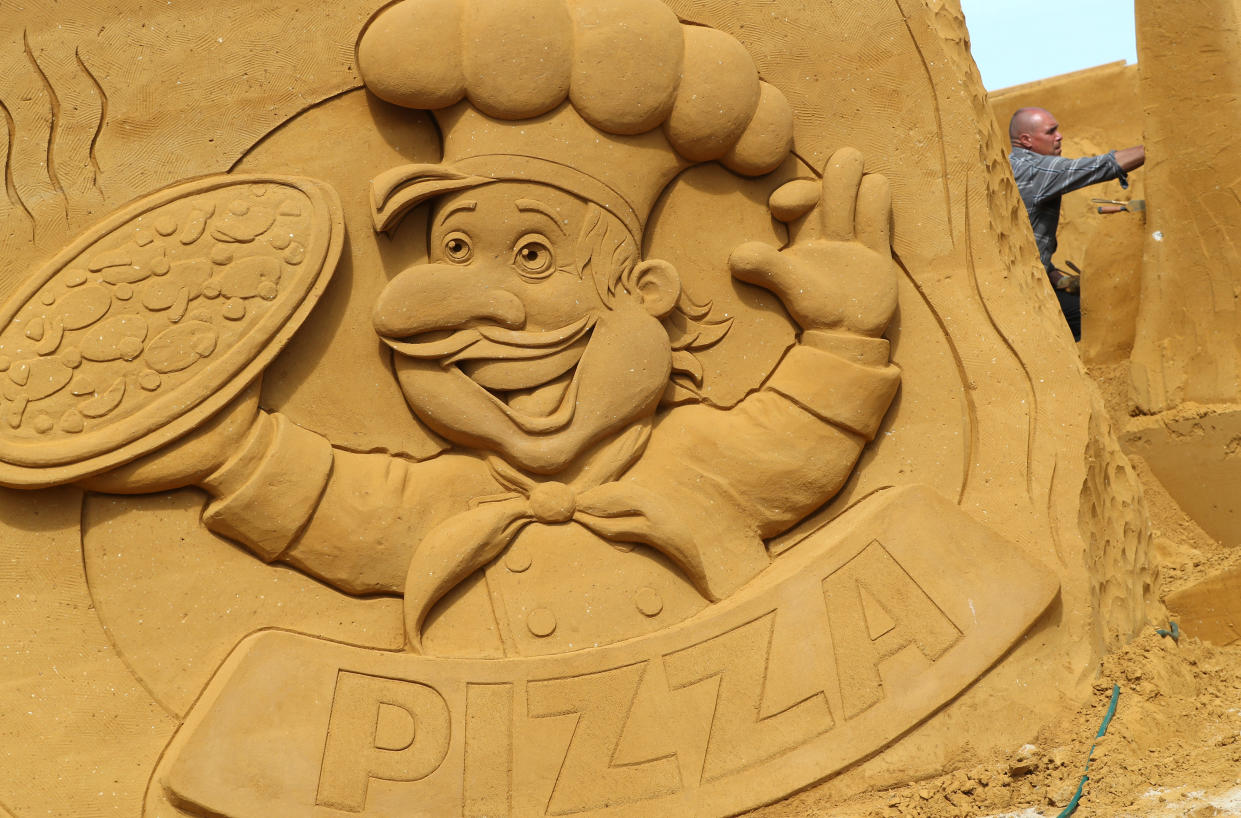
(765, 464)
(349, 519)
(1044, 177)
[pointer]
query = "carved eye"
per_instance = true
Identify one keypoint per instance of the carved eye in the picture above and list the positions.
(534, 258)
(457, 248)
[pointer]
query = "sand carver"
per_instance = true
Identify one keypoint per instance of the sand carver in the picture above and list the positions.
(577, 505)
(1043, 176)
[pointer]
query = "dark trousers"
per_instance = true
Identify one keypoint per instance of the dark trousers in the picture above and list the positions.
(1071, 306)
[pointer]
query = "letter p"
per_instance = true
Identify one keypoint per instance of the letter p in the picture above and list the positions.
(381, 728)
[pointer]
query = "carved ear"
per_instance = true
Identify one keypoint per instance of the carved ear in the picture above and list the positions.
(156, 318)
(657, 285)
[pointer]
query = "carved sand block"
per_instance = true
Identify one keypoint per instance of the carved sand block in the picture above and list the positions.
(157, 318)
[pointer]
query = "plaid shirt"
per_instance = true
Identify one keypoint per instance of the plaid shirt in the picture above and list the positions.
(1042, 180)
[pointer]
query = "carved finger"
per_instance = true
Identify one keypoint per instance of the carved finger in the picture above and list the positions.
(874, 209)
(841, 179)
(763, 265)
(794, 199)
(792, 202)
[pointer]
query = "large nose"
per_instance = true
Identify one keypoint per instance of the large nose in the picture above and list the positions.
(439, 296)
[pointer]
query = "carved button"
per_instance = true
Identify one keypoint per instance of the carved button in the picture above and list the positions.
(648, 601)
(517, 559)
(541, 622)
(552, 503)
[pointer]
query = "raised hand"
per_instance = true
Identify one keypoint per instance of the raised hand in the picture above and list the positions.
(837, 271)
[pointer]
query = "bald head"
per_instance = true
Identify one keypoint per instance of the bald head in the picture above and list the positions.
(1035, 129)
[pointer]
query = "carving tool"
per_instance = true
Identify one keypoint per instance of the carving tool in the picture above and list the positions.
(1118, 206)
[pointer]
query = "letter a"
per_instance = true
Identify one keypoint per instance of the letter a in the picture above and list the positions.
(909, 617)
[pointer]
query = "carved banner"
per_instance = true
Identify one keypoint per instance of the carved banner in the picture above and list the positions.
(848, 641)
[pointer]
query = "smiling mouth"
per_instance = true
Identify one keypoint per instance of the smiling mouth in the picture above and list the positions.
(531, 375)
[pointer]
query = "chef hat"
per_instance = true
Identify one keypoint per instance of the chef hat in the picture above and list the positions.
(608, 99)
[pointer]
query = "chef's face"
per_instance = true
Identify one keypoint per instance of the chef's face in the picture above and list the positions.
(504, 341)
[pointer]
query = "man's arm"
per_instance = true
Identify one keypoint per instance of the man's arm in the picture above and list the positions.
(1041, 177)
(1131, 158)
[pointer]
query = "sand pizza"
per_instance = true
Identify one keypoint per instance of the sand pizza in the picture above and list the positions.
(155, 319)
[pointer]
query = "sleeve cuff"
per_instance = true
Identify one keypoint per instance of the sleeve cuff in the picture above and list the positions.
(844, 380)
(1121, 173)
(270, 507)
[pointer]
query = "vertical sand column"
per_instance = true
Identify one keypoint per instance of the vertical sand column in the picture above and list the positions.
(1187, 353)
(1188, 348)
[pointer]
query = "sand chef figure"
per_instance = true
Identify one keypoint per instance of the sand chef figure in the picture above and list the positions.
(587, 496)
(573, 512)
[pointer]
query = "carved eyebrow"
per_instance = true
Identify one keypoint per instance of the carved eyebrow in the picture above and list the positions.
(534, 205)
(457, 208)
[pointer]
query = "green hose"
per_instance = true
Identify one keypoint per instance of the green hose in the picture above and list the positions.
(1107, 719)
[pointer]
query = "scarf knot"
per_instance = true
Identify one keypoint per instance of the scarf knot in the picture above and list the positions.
(552, 503)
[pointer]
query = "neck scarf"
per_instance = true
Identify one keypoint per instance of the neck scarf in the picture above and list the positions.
(616, 511)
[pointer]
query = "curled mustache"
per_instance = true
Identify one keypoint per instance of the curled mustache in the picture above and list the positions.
(494, 343)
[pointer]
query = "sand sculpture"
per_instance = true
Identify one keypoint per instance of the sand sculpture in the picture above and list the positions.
(545, 408)
(1183, 376)
(1186, 344)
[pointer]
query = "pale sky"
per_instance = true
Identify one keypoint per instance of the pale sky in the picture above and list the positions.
(1015, 42)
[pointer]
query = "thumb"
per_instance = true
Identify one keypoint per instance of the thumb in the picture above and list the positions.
(757, 263)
